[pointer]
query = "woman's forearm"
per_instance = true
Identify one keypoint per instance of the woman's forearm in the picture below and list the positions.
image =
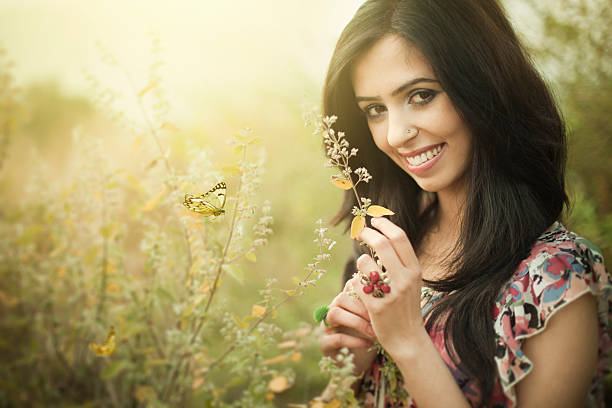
(426, 377)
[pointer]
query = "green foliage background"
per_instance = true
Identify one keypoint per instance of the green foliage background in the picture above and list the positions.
(40, 343)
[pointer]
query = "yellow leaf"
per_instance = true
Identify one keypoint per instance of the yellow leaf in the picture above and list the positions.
(233, 170)
(251, 256)
(332, 404)
(378, 211)
(152, 164)
(204, 287)
(182, 186)
(197, 264)
(8, 300)
(169, 126)
(269, 396)
(242, 323)
(258, 311)
(197, 382)
(113, 288)
(153, 202)
(279, 384)
(108, 347)
(61, 272)
(238, 149)
(144, 393)
(342, 182)
(146, 89)
(296, 357)
(357, 225)
(286, 344)
(275, 360)
(137, 142)
(110, 266)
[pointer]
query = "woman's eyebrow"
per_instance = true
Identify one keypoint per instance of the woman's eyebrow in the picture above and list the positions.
(398, 90)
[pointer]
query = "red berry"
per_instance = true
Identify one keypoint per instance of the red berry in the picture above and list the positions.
(368, 289)
(386, 288)
(374, 277)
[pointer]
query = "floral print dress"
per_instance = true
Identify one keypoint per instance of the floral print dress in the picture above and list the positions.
(560, 268)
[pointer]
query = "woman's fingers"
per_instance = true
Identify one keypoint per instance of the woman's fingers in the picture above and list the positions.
(332, 342)
(398, 240)
(345, 301)
(393, 249)
(383, 248)
(337, 316)
(366, 264)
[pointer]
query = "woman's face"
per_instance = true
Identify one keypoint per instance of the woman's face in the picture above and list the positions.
(410, 116)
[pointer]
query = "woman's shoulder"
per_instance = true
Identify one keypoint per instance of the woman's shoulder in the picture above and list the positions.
(560, 267)
(557, 239)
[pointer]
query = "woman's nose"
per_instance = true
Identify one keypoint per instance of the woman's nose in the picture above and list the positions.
(400, 130)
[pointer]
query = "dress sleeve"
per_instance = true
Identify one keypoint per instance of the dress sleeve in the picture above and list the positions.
(549, 279)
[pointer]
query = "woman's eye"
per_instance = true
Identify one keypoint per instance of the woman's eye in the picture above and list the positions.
(374, 111)
(421, 97)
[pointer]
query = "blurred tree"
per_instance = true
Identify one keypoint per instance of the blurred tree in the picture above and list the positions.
(573, 48)
(53, 113)
(11, 108)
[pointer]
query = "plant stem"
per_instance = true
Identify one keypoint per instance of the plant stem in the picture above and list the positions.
(104, 278)
(177, 367)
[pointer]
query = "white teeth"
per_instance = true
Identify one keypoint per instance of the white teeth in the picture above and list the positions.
(423, 157)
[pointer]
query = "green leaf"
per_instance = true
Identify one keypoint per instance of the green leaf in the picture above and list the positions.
(320, 313)
(251, 256)
(130, 330)
(235, 272)
(156, 362)
(114, 369)
(163, 294)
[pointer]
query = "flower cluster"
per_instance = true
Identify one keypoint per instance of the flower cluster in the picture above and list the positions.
(339, 152)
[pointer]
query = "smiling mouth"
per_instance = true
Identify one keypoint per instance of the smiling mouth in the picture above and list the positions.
(424, 157)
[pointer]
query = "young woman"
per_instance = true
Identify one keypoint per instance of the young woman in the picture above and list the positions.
(493, 302)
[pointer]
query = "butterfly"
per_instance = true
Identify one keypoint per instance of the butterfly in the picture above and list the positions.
(108, 347)
(209, 203)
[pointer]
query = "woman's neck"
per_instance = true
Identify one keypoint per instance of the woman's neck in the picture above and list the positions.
(439, 242)
(450, 212)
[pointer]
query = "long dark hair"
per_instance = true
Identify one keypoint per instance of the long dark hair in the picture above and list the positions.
(515, 179)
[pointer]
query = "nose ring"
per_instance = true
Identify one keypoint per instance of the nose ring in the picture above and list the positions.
(411, 132)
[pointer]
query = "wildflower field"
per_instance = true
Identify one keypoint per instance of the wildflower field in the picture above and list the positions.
(114, 293)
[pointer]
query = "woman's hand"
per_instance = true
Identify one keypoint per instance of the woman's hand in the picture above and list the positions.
(396, 317)
(349, 326)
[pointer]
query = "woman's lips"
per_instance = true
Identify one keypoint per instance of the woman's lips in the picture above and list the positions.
(421, 162)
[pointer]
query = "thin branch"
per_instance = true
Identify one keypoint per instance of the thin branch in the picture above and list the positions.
(174, 372)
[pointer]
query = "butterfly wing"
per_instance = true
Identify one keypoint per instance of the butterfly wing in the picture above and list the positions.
(209, 203)
(108, 347)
